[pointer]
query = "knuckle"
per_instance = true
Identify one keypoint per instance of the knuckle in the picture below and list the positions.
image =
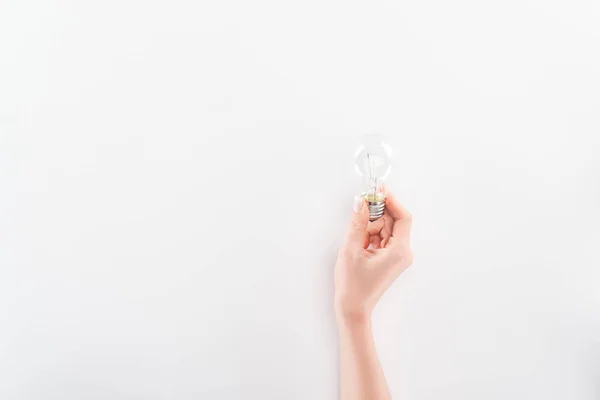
(404, 254)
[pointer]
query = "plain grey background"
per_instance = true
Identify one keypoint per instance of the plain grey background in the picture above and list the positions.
(176, 178)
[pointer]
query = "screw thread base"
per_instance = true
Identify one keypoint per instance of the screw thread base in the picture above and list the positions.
(376, 209)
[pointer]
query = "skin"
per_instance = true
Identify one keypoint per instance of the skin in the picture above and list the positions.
(373, 255)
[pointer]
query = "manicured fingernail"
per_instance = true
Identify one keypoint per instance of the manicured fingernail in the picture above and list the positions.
(358, 203)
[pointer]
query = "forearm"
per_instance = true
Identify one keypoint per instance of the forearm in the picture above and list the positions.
(361, 375)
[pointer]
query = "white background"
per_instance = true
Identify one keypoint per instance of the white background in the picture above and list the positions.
(176, 178)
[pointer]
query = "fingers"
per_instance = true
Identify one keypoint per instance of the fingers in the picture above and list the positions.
(395, 209)
(388, 225)
(379, 231)
(384, 242)
(357, 236)
(375, 242)
(402, 218)
(375, 227)
(390, 230)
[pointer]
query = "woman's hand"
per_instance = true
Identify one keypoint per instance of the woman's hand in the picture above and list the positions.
(371, 258)
(373, 255)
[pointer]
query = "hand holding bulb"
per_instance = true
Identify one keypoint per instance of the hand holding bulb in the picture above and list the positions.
(373, 255)
(375, 252)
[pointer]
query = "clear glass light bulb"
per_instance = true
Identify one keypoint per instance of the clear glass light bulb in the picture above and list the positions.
(373, 164)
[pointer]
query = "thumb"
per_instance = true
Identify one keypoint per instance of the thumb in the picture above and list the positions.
(357, 236)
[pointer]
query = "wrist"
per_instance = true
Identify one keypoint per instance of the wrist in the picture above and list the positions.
(353, 318)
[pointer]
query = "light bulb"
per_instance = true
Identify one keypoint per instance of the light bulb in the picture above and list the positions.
(373, 164)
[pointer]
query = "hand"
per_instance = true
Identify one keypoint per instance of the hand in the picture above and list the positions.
(362, 272)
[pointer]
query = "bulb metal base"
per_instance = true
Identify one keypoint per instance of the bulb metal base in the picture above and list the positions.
(376, 209)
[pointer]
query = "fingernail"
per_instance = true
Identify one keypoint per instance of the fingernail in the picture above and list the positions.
(358, 203)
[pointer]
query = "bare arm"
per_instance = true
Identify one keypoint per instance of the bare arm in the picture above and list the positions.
(361, 376)
(362, 275)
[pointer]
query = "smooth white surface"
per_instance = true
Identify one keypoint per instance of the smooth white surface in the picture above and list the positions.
(176, 178)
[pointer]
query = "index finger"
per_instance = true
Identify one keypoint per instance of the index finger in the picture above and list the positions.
(402, 217)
